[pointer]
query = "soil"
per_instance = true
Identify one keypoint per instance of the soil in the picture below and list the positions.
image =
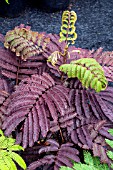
(94, 25)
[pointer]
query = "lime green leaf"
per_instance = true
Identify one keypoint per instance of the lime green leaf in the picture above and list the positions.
(89, 77)
(10, 164)
(79, 166)
(112, 166)
(110, 131)
(110, 154)
(96, 161)
(17, 158)
(7, 145)
(2, 140)
(104, 167)
(16, 148)
(1, 133)
(3, 166)
(65, 168)
(109, 142)
(88, 158)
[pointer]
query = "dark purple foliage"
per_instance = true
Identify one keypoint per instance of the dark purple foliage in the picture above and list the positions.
(64, 154)
(53, 119)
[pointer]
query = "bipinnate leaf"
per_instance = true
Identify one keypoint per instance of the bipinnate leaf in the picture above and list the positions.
(13, 67)
(4, 94)
(89, 136)
(64, 155)
(36, 101)
(24, 42)
(7, 156)
(89, 104)
(88, 71)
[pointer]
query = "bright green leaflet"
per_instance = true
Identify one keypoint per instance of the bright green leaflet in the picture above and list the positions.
(7, 1)
(88, 71)
(7, 154)
(110, 143)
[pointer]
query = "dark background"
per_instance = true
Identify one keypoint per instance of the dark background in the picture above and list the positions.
(94, 24)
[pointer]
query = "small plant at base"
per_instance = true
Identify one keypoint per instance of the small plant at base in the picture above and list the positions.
(7, 154)
(110, 143)
(90, 163)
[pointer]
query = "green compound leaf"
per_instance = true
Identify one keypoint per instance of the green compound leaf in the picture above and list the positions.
(88, 71)
(18, 159)
(7, 145)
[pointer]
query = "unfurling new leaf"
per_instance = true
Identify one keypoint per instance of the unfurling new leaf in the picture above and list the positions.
(68, 33)
(88, 71)
(7, 156)
(54, 57)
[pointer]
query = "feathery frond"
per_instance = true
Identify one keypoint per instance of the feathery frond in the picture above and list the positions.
(88, 71)
(36, 101)
(64, 154)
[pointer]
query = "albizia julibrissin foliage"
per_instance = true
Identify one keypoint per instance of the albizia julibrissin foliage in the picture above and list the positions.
(55, 118)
